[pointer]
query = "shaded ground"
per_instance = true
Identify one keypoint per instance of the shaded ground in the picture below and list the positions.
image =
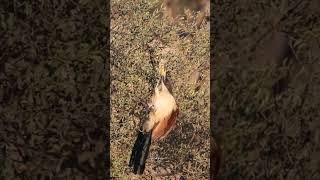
(140, 38)
(263, 134)
(52, 88)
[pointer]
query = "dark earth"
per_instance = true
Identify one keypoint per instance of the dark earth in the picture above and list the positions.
(266, 86)
(52, 89)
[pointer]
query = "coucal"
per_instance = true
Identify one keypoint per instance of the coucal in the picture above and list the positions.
(163, 111)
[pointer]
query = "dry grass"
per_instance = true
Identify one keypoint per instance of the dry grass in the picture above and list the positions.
(140, 38)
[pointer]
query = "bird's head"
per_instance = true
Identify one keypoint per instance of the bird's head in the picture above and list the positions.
(163, 83)
(162, 72)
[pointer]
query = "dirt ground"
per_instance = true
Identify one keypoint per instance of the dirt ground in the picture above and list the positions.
(140, 38)
(52, 90)
(267, 132)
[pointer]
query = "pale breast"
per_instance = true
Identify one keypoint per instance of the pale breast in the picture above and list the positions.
(164, 104)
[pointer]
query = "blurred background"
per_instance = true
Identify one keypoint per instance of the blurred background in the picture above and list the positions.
(266, 83)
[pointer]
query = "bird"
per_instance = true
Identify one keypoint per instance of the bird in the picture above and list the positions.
(163, 113)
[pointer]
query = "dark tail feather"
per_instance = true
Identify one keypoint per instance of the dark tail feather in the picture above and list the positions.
(140, 152)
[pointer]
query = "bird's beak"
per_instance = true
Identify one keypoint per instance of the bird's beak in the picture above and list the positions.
(162, 73)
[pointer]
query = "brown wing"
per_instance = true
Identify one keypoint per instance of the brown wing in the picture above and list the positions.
(163, 128)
